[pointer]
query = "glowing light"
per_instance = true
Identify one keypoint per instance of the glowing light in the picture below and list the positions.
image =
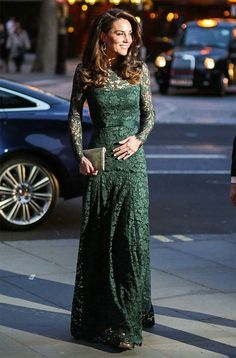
(165, 39)
(153, 15)
(205, 51)
(176, 16)
(226, 13)
(70, 29)
(116, 2)
(231, 71)
(135, 2)
(71, 2)
(92, 2)
(84, 7)
(170, 16)
(207, 23)
(209, 63)
(160, 61)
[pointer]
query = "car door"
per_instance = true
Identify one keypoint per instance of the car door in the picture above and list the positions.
(3, 117)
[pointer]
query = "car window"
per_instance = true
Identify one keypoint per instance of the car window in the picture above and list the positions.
(10, 100)
(200, 36)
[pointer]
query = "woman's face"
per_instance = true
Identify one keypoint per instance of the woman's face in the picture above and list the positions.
(118, 39)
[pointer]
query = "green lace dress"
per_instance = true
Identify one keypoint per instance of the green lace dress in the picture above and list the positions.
(112, 295)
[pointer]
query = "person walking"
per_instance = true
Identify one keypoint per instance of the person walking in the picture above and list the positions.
(3, 50)
(112, 294)
(10, 25)
(233, 174)
(18, 43)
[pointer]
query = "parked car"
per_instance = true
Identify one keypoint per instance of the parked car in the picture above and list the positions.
(37, 161)
(204, 56)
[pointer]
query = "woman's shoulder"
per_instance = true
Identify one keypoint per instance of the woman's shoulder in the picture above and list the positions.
(78, 73)
(144, 67)
(79, 68)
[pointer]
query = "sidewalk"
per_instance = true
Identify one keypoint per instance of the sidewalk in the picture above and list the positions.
(193, 292)
(60, 85)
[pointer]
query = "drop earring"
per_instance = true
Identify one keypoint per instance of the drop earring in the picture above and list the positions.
(103, 48)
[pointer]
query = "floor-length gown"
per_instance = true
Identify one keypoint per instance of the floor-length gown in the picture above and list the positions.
(112, 295)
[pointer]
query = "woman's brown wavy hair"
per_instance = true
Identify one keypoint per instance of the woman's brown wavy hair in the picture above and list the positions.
(95, 62)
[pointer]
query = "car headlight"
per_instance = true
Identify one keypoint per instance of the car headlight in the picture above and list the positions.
(160, 61)
(209, 63)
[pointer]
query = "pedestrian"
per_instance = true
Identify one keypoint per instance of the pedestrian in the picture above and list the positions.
(112, 295)
(10, 25)
(233, 174)
(18, 43)
(3, 50)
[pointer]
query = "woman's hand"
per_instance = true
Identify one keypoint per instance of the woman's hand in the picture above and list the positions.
(127, 147)
(86, 167)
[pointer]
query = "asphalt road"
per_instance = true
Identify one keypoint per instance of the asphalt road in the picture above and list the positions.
(189, 179)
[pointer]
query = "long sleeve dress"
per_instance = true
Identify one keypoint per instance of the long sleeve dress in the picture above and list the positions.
(112, 295)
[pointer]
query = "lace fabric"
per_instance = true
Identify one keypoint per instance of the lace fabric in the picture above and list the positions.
(112, 295)
(106, 103)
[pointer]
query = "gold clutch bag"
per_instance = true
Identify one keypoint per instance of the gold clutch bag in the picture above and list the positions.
(96, 157)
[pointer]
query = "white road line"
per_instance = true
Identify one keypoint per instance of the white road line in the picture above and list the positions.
(191, 172)
(161, 238)
(187, 156)
(182, 238)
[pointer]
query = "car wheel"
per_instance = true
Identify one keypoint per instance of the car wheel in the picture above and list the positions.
(28, 193)
(163, 89)
(221, 85)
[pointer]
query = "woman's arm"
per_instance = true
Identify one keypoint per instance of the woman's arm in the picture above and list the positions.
(75, 113)
(75, 123)
(131, 144)
(147, 114)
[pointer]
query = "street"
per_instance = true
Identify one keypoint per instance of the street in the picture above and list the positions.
(192, 244)
(188, 157)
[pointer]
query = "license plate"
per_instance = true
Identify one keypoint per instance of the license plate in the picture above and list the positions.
(181, 82)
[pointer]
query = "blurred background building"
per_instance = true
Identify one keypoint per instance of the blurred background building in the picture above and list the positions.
(160, 20)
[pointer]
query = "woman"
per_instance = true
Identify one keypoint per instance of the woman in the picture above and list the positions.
(112, 297)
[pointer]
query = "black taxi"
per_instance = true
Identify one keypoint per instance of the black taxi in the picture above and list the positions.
(204, 56)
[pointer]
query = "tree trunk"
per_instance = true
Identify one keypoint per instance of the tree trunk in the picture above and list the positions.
(46, 51)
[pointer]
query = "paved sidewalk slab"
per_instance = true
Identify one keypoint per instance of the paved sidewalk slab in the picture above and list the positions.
(193, 294)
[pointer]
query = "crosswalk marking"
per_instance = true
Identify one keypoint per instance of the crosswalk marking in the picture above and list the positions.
(163, 238)
(182, 237)
(190, 172)
(186, 156)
